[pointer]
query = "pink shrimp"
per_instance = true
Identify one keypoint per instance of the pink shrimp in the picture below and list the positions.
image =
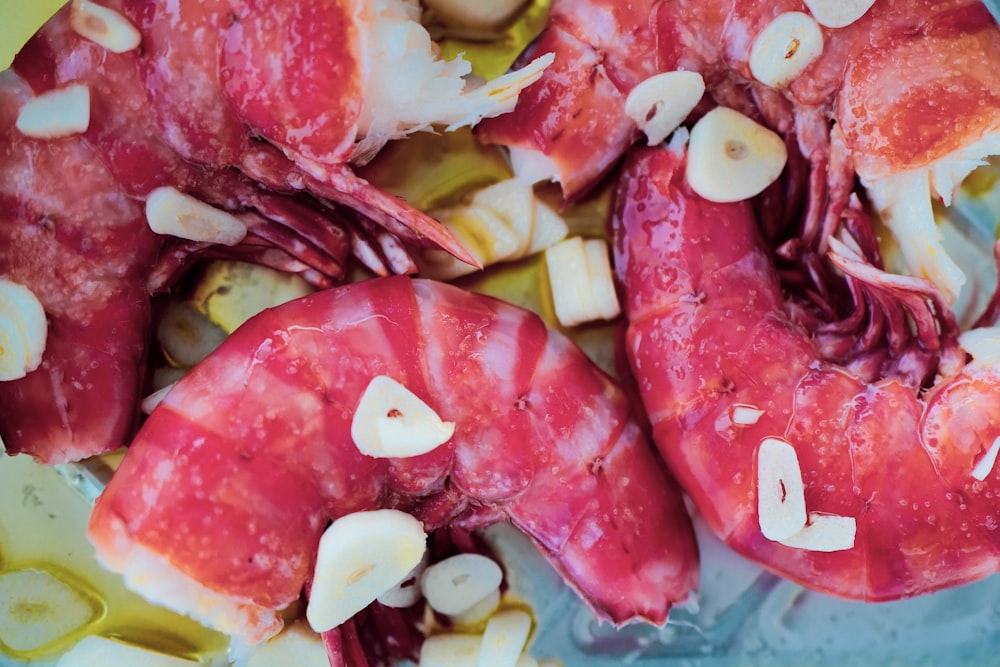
(907, 97)
(188, 110)
(710, 330)
(224, 493)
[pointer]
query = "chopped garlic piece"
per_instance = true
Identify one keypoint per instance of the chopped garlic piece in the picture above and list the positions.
(450, 649)
(983, 344)
(838, 13)
(532, 221)
(94, 650)
(455, 584)
(504, 639)
(391, 421)
(785, 48)
(582, 285)
(23, 330)
(296, 645)
(172, 212)
(361, 556)
(824, 532)
(745, 415)
(61, 112)
(659, 104)
(103, 26)
(781, 502)
(984, 466)
(731, 157)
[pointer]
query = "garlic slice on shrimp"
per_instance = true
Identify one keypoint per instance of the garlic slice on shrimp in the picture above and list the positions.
(781, 502)
(23, 330)
(391, 421)
(361, 556)
(659, 104)
(61, 112)
(731, 157)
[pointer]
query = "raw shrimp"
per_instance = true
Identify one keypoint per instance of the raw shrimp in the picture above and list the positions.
(199, 108)
(218, 506)
(726, 362)
(907, 96)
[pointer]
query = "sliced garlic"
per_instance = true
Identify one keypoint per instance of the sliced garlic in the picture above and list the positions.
(479, 15)
(61, 112)
(103, 26)
(95, 650)
(172, 212)
(38, 609)
(450, 649)
(838, 13)
(455, 584)
(745, 415)
(23, 330)
(583, 288)
(150, 402)
(296, 645)
(535, 224)
(659, 104)
(824, 532)
(391, 421)
(983, 344)
(361, 556)
(984, 466)
(781, 502)
(504, 639)
(407, 592)
(731, 157)
(784, 48)
(478, 612)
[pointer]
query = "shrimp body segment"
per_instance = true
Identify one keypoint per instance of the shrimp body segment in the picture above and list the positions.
(710, 332)
(233, 478)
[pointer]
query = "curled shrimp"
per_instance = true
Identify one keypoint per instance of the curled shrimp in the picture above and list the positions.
(898, 465)
(196, 107)
(218, 506)
(904, 96)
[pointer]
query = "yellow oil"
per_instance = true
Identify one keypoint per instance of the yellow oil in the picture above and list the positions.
(42, 526)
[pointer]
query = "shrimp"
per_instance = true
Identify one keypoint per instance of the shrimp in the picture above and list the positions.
(901, 473)
(199, 109)
(904, 96)
(218, 506)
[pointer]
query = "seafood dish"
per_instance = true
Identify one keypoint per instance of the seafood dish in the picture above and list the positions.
(750, 207)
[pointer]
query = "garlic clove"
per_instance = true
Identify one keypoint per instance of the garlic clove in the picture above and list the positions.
(824, 532)
(785, 48)
(781, 503)
(103, 26)
(451, 649)
(23, 330)
(513, 201)
(581, 281)
(504, 639)
(62, 112)
(455, 584)
(731, 157)
(549, 228)
(391, 421)
(838, 13)
(361, 556)
(171, 212)
(659, 104)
